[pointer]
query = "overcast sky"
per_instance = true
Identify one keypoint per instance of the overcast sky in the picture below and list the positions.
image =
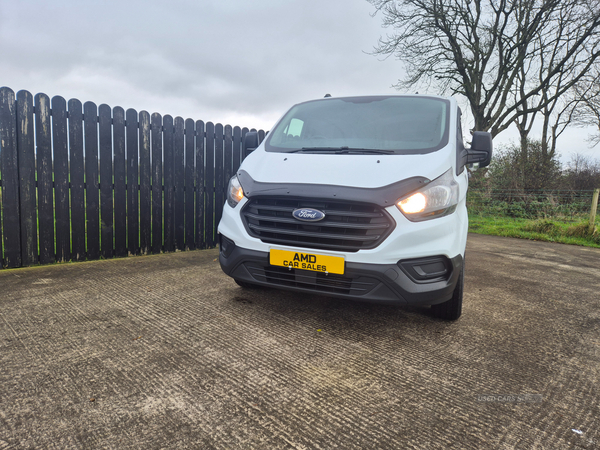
(241, 62)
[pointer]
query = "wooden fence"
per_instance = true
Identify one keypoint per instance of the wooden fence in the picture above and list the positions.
(82, 182)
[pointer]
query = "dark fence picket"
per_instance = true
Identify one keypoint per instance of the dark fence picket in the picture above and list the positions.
(209, 182)
(244, 131)
(261, 135)
(237, 149)
(45, 191)
(27, 192)
(106, 180)
(179, 183)
(189, 184)
(219, 175)
(120, 188)
(76, 177)
(61, 179)
(1, 235)
(145, 186)
(169, 194)
(133, 227)
(200, 185)
(9, 168)
(227, 156)
(90, 130)
(157, 183)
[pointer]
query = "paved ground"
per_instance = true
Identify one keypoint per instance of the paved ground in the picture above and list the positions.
(166, 352)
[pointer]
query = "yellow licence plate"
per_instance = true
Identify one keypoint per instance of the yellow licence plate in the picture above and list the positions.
(307, 261)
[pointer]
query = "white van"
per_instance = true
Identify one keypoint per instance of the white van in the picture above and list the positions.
(360, 198)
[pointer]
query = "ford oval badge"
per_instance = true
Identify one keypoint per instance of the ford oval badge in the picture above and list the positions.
(308, 214)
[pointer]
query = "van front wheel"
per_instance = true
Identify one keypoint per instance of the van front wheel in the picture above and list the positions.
(451, 309)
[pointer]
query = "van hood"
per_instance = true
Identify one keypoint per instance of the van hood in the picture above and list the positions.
(363, 171)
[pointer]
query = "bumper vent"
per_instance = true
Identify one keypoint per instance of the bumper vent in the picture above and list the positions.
(314, 281)
(347, 226)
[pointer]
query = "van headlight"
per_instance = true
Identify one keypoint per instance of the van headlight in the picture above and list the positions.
(234, 192)
(439, 198)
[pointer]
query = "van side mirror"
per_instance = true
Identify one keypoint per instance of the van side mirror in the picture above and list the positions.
(250, 142)
(481, 149)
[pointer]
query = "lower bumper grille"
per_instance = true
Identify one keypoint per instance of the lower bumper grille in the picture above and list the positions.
(315, 281)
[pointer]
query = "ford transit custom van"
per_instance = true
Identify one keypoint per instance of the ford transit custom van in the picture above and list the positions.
(360, 198)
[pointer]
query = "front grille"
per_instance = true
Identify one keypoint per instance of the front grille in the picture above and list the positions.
(347, 226)
(314, 281)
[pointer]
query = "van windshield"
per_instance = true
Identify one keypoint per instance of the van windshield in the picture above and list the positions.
(385, 124)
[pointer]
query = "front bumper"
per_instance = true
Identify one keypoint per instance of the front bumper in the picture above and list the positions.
(380, 283)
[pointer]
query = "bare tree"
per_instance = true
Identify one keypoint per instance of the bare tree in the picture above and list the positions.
(511, 60)
(589, 113)
(559, 102)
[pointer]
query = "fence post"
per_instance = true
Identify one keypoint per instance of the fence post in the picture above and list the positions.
(594, 207)
(9, 163)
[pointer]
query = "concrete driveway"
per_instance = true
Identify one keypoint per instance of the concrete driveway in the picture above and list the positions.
(167, 352)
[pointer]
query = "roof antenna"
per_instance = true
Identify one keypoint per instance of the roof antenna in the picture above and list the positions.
(327, 95)
(417, 93)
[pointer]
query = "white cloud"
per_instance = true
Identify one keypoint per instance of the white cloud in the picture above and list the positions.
(237, 61)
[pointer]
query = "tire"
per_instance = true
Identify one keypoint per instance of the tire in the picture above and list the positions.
(245, 284)
(451, 309)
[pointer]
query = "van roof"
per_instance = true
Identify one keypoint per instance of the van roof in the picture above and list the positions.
(380, 96)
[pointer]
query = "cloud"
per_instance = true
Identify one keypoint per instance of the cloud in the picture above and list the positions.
(234, 58)
(236, 61)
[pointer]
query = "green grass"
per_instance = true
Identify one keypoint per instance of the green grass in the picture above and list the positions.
(574, 233)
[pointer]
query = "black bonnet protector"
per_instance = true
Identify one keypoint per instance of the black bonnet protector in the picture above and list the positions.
(383, 196)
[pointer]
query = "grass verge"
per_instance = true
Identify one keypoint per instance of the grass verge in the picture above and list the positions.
(537, 230)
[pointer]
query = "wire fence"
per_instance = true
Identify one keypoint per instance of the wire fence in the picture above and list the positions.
(561, 204)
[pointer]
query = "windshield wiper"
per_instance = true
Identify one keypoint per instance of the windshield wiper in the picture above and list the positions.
(344, 150)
